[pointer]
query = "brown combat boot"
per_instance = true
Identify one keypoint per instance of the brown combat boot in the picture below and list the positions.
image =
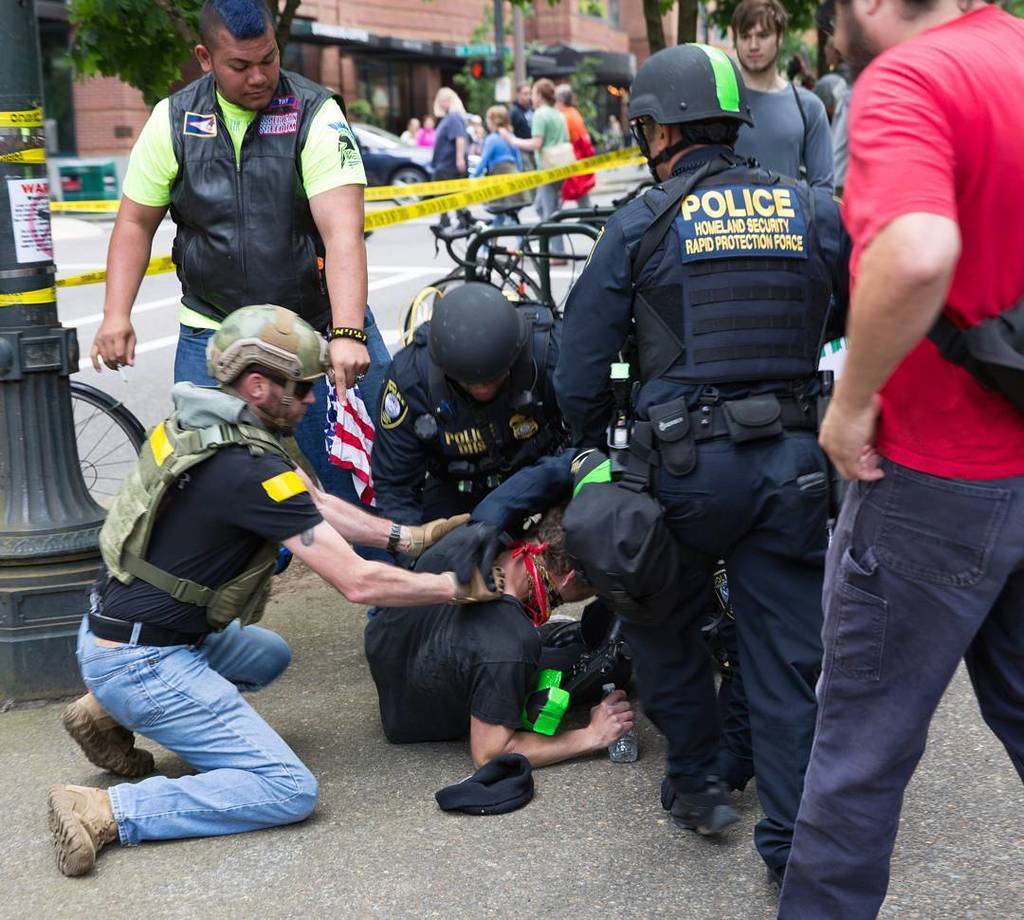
(82, 823)
(106, 744)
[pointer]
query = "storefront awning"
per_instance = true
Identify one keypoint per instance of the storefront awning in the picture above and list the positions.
(382, 46)
(611, 68)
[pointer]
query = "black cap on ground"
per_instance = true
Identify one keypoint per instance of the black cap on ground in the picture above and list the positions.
(504, 784)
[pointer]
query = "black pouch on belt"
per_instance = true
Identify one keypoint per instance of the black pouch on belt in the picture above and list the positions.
(671, 425)
(754, 418)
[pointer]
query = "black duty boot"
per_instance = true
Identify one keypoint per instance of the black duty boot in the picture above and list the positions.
(707, 812)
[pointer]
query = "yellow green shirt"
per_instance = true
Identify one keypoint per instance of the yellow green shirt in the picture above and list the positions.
(152, 167)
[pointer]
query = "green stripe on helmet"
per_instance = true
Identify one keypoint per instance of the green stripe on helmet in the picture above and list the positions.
(600, 473)
(725, 78)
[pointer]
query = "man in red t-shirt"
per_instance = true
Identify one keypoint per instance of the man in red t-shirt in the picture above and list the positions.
(927, 563)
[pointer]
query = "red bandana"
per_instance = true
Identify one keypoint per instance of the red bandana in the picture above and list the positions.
(538, 606)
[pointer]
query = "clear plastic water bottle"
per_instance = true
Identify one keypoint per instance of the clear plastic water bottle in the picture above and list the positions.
(624, 749)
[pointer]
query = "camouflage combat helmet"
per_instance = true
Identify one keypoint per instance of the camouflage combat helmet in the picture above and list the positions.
(269, 337)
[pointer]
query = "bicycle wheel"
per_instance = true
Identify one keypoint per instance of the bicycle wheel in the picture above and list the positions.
(108, 438)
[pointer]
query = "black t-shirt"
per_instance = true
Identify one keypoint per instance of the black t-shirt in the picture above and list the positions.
(436, 666)
(213, 519)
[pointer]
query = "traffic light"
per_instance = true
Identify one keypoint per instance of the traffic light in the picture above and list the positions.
(483, 67)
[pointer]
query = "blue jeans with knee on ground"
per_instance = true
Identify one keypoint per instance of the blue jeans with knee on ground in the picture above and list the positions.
(189, 700)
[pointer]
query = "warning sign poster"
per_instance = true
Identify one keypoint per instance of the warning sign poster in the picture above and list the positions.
(742, 220)
(30, 216)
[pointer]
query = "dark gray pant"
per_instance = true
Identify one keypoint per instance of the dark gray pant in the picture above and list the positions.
(922, 572)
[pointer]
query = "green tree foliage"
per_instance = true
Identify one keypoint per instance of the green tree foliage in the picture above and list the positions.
(801, 13)
(146, 42)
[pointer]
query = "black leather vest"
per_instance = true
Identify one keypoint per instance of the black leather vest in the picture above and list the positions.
(245, 231)
(742, 289)
(478, 446)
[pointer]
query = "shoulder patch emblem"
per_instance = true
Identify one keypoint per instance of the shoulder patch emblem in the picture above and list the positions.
(283, 486)
(348, 146)
(197, 125)
(523, 427)
(393, 408)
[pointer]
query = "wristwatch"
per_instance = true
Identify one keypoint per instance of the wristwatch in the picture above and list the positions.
(394, 537)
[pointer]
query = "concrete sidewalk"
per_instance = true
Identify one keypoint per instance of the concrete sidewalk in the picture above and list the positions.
(593, 843)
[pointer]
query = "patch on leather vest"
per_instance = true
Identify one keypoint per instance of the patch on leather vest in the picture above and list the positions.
(730, 221)
(280, 117)
(197, 125)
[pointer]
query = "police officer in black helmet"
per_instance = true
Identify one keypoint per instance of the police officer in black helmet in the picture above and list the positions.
(468, 403)
(722, 275)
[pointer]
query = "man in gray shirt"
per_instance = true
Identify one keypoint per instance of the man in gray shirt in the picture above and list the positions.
(791, 128)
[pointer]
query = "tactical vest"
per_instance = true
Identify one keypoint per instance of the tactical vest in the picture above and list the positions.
(245, 232)
(170, 451)
(479, 446)
(742, 289)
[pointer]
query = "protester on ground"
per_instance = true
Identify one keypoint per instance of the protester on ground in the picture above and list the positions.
(790, 132)
(411, 131)
(549, 140)
(451, 145)
(248, 124)
(468, 403)
(426, 135)
(575, 188)
(926, 567)
(442, 674)
(723, 425)
(188, 548)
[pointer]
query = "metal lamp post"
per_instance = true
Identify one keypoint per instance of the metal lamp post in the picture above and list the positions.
(49, 525)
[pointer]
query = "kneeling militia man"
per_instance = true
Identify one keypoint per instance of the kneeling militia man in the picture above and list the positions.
(189, 548)
(441, 671)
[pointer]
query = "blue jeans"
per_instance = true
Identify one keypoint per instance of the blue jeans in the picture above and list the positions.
(188, 700)
(190, 365)
(922, 572)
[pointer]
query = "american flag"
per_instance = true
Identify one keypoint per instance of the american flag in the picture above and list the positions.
(349, 439)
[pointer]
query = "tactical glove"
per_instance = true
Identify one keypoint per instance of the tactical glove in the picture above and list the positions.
(475, 590)
(475, 548)
(426, 535)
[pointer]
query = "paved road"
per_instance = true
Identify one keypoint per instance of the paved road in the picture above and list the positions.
(594, 843)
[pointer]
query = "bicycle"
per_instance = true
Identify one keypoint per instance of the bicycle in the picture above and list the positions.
(108, 438)
(505, 267)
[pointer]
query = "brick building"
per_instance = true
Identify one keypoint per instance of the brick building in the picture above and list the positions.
(394, 54)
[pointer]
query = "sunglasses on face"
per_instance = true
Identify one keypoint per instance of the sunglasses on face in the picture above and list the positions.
(302, 387)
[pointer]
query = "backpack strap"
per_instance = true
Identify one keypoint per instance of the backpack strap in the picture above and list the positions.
(803, 121)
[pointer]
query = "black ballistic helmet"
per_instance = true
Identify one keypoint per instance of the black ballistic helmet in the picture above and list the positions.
(685, 84)
(476, 334)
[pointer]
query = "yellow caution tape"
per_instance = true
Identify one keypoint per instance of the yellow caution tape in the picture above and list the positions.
(41, 295)
(35, 155)
(156, 266)
(471, 191)
(29, 118)
(611, 160)
(97, 207)
(499, 188)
